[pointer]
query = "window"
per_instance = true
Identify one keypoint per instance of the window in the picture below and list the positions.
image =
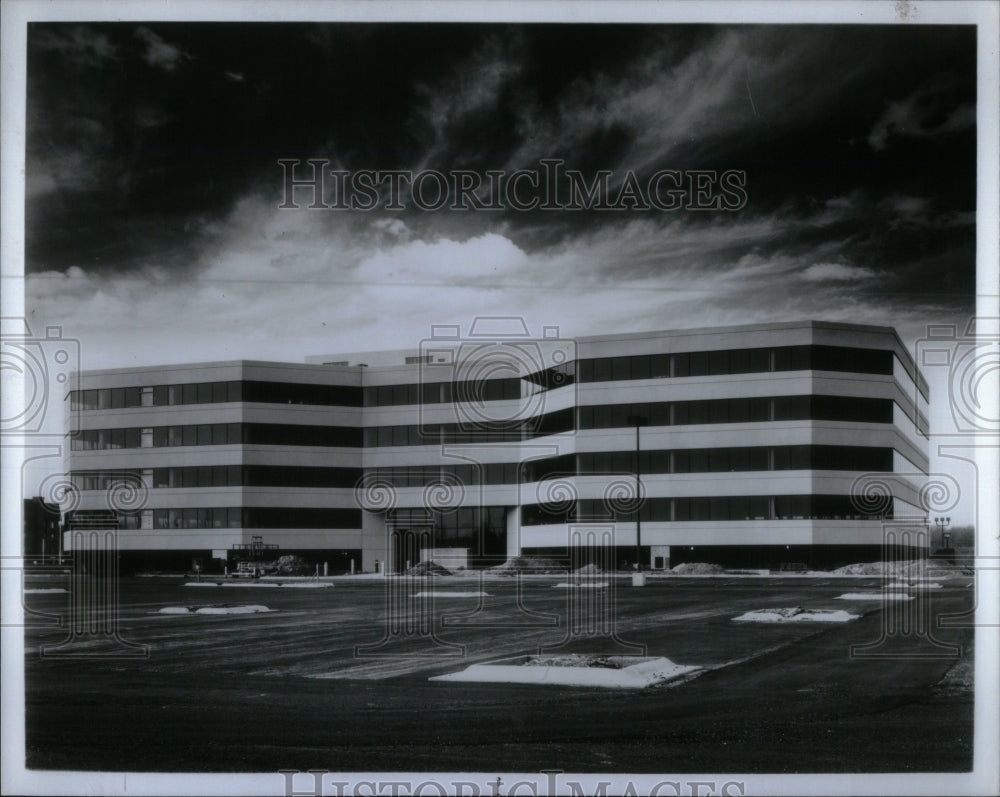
(220, 392)
(602, 369)
(718, 363)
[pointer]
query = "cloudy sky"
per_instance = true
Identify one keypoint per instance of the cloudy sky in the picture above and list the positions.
(154, 232)
(153, 185)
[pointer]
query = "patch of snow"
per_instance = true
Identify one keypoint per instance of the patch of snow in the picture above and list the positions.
(582, 585)
(232, 610)
(262, 584)
(251, 609)
(796, 615)
(449, 594)
(43, 591)
(874, 596)
(697, 569)
(638, 676)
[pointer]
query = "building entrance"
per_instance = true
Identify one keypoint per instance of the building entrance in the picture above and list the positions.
(406, 546)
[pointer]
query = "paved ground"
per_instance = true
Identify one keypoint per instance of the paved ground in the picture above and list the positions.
(292, 689)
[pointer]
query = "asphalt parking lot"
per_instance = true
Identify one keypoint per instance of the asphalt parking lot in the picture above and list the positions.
(337, 678)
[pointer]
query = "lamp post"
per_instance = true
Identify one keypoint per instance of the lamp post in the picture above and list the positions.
(942, 524)
(637, 421)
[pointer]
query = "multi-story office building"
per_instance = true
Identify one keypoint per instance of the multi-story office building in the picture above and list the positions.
(751, 445)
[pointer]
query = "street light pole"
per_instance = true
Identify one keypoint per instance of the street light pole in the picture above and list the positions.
(637, 421)
(942, 524)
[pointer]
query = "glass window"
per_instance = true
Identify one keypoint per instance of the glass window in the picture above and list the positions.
(204, 434)
(739, 459)
(621, 368)
(701, 509)
(620, 414)
(760, 360)
(430, 392)
(700, 363)
(220, 392)
(718, 460)
(718, 363)
(782, 358)
(799, 358)
(640, 366)
(90, 401)
(719, 411)
(681, 364)
(760, 507)
(759, 409)
(117, 398)
(104, 398)
(133, 437)
(234, 517)
(204, 392)
(739, 507)
(133, 397)
(602, 369)
(189, 435)
(700, 411)
(739, 410)
(739, 361)
(659, 366)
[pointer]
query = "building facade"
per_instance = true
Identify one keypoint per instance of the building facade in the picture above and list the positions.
(746, 446)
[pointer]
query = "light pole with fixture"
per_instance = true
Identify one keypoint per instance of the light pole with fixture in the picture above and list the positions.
(637, 421)
(942, 524)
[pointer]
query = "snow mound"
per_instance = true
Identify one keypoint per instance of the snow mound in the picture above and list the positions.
(232, 610)
(698, 569)
(588, 570)
(450, 594)
(262, 584)
(581, 585)
(291, 565)
(43, 591)
(874, 596)
(621, 672)
(428, 569)
(529, 564)
(912, 569)
(796, 615)
(253, 609)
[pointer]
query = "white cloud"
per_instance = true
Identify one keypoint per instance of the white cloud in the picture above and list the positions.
(159, 52)
(837, 272)
(912, 115)
(79, 45)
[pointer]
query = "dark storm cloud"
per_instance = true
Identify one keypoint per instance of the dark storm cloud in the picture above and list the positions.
(152, 157)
